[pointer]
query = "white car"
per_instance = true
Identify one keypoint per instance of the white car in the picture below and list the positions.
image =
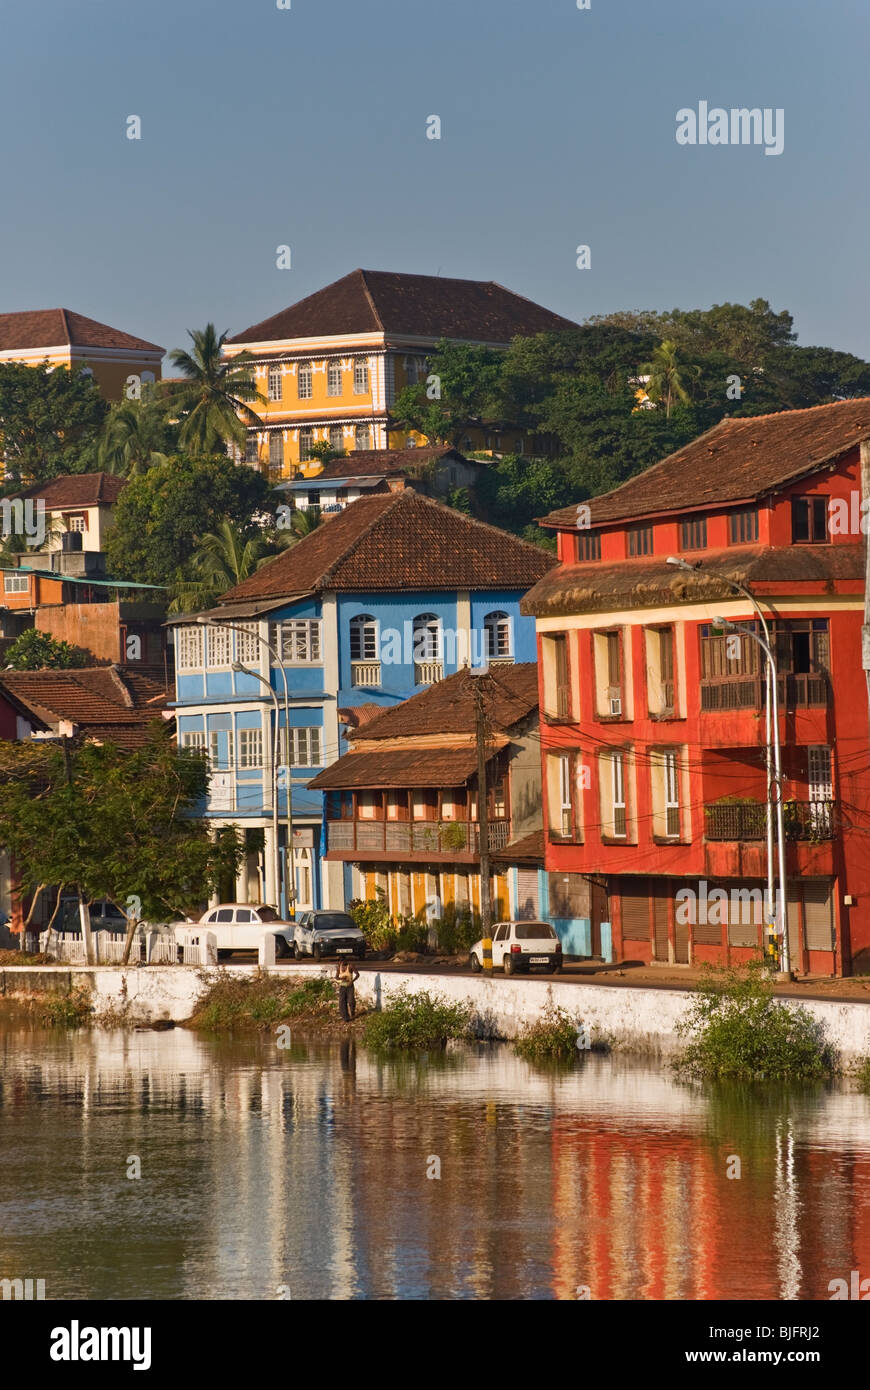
(328, 933)
(521, 946)
(242, 926)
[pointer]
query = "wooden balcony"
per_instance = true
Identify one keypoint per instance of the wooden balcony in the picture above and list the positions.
(747, 820)
(806, 690)
(454, 840)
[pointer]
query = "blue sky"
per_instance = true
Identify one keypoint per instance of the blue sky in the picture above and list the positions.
(307, 127)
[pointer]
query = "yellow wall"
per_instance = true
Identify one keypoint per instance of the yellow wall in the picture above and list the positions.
(110, 373)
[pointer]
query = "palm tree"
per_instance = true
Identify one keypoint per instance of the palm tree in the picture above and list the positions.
(666, 376)
(212, 403)
(222, 559)
(303, 520)
(136, 435)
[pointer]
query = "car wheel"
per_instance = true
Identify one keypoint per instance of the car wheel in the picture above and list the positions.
(557, 968)
(509, 967)
(317, 951)
(475, 964)
(297, 954)
(361, 955)
(282, 950)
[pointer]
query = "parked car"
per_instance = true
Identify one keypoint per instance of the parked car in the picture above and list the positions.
(327, 933)
(521, 946)
(242, 926)
(105, 916)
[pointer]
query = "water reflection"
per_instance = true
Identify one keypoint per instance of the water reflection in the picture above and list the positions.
(312, 1169)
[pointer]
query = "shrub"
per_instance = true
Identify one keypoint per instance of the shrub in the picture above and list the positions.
(71, 1010)
(260, 1001)
(736, 1029)
(418, 1021)
(554, 1036)
(374, 921)
(861, 1073)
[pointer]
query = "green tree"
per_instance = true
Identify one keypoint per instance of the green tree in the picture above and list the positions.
(136, 435)
(213, 403)
(463, 386)
(50, 421)
(39, 651)
(113, 823)
(669, 377)
(222, 559)
(160, 516)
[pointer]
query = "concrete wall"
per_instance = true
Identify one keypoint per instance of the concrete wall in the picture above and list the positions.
(638, 1020)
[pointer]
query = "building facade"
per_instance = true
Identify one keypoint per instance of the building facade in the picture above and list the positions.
(653, 715)
(383, 599)
(118, 361)
(332, 365)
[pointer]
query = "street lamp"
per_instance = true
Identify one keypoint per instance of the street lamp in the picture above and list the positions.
(241, 670)
(770, 703)
(205, 621)
(777, 783)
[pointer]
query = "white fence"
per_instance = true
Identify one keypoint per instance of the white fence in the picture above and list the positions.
(152, 948)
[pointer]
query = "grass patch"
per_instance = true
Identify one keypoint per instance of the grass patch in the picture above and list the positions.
(71, 1010)
(25, 958)
(421, 1021)
(552, 1037)
(860, 1073)
(254, 1003)
(736, 1030)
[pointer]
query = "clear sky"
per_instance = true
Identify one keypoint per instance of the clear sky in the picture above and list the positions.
(307, 127)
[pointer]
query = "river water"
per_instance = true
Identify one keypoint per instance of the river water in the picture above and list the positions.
(313, 1172)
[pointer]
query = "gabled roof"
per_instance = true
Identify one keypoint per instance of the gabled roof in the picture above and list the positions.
(77, 490)
(510, 694)
(399, 767)
(398, 541)
(382, 463)
(46, 328)
(107, 703)
(652, 583)
(423, 306)
(740, 459)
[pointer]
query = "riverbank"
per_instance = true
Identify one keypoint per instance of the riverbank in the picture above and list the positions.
(640, 1020)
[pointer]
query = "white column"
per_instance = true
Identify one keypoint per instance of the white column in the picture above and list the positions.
(271, 885)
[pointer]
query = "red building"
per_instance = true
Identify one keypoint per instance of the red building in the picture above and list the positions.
(653, 720)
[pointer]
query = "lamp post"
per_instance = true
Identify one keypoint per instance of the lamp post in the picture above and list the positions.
(205, 621)
(781, 925)
(241, 670)
(770, 703)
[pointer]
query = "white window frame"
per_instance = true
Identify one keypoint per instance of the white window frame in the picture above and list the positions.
(499, 634)
(78, 524)
(671, 785)
(248, 643)
(336, 437)
(252, 448)
(306, 443)
(16, 583)
(275, 386)
(220, 648)
(364, 636)
(214, 750)
(188, 648)
(250, 749)
(299, 642)
(565, 800)
(305, 747)
(361, 377)
(433, 648)
(617, 794)
(362, 437)
(334, 378)
(193, 738)
(276, 449)
(305, 381)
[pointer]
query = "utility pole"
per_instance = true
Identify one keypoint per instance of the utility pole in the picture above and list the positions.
(84, 907)
(483, 815)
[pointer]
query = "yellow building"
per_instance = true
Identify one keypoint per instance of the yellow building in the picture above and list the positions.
(332, 365)
(66, 339)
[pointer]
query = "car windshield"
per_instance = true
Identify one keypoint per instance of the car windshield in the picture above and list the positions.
(268, 914)
(333, 921)
(535, 931)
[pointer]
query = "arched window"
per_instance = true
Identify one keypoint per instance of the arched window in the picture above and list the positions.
(276, 449)
(276, 383)
(363, 437)
(360, 376)
(305, 381)
(427, 637)
(497, 627)
(363, 638)
(335, 438)
(306, 440)
(333, 378)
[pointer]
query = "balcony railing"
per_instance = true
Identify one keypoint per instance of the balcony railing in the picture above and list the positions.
(808, 690)
(747, 820)
(428, 672)
(365, 673)
(405, 838)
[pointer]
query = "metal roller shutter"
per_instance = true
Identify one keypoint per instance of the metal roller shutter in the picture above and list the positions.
(527, 894)
(634, 901)
(818, 914)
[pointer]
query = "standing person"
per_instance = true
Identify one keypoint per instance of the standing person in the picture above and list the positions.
(345, 975)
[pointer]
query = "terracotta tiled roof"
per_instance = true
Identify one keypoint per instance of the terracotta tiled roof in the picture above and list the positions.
(399, 767)
(373, 463)
(527, 850)
(510, 693)
(738, 459)
(105, 702)
(355, 716)
(37, 328)
(395, 541)
(424, 306)
(650, 582)
(78, 490)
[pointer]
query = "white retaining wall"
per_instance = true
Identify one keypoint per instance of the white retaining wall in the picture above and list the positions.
(641, 1020)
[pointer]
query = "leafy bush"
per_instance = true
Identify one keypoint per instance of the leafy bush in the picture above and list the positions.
(456, 930)
(233, 1003)
(37, 651)
(418, 1021)
(374, 921)
(736, 1029)
(554, 1036)
(71, 1010)
(861, 1073)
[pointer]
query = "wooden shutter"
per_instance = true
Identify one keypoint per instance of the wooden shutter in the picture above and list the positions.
(660, 923)
(634, 896)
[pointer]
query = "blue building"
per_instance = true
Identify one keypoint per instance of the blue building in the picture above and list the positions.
(382, 599)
